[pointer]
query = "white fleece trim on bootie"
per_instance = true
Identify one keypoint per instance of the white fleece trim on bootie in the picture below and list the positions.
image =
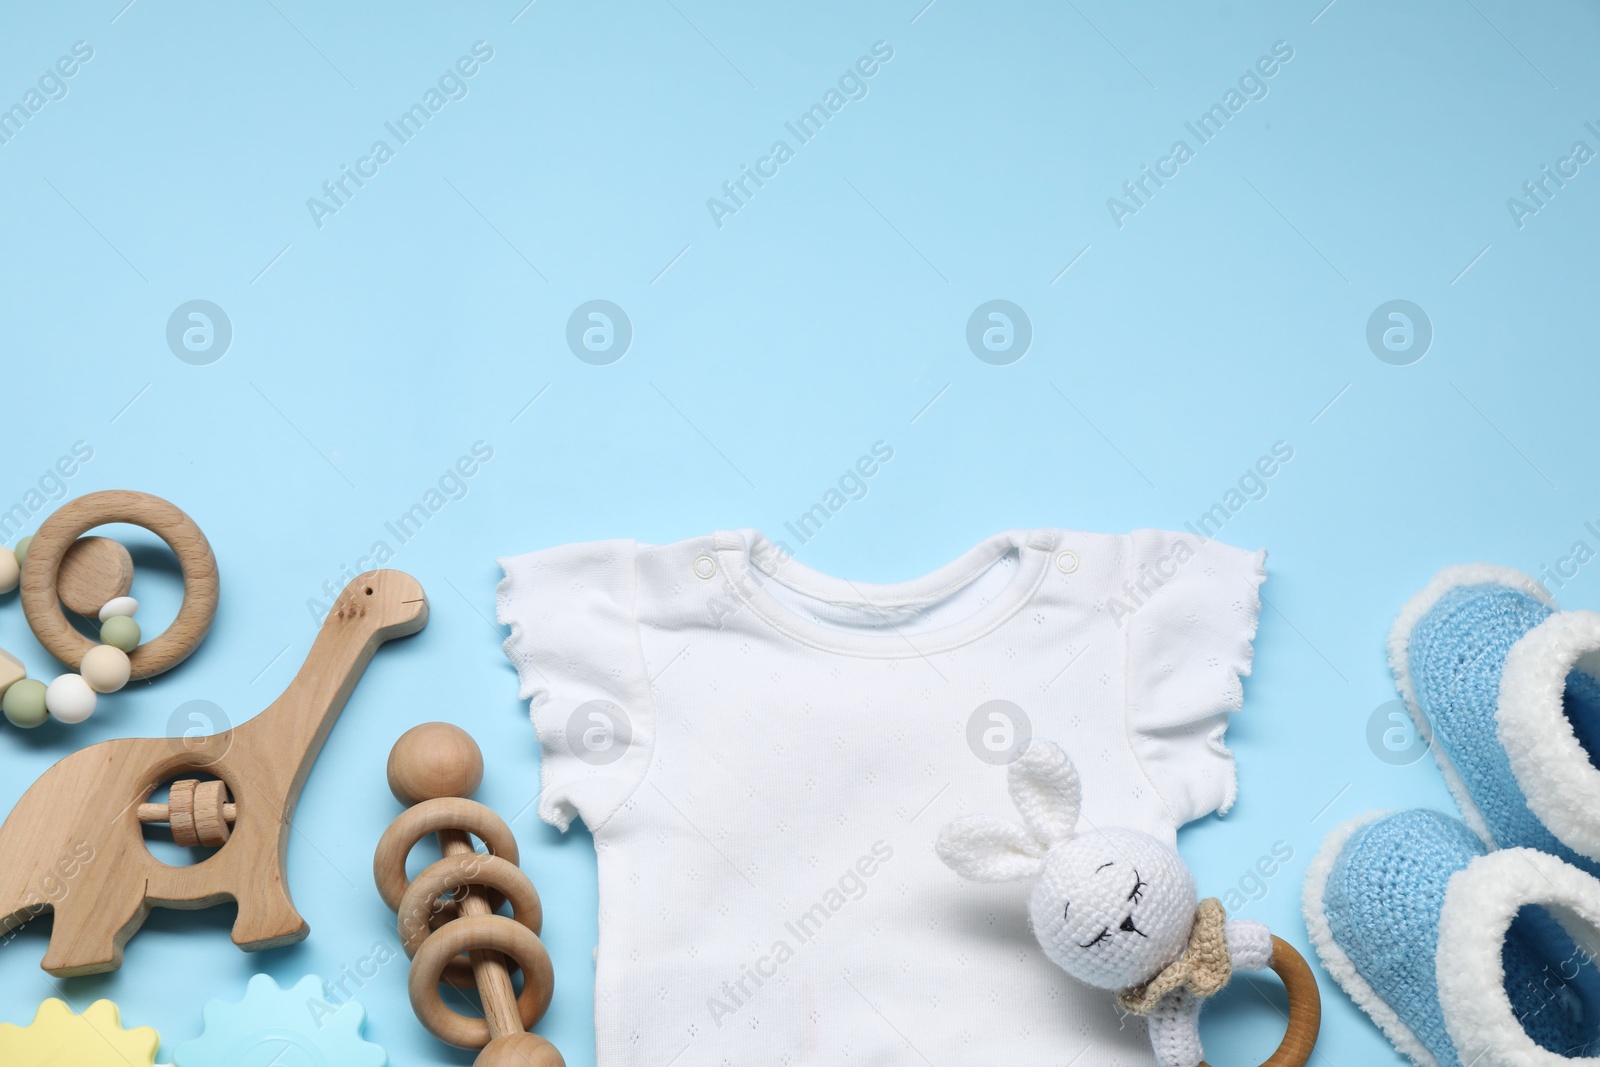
(1335, 961)
(1479, 905)
(1560, 782)
(1453, 577)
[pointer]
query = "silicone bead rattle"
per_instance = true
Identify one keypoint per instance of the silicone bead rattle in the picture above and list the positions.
(435, 768)
(71, 698)
(92, 577)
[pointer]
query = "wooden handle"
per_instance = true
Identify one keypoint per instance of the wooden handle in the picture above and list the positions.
(1305, 1007)
(494, 978)
(159, 813)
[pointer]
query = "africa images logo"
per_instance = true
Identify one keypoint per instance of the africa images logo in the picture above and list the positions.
(852, 85)
(451, 86)
(806, 926)
(1252, 86)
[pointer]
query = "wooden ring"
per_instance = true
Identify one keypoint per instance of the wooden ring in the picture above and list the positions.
(420, 903)
(431, 816)
(58, 533)
(450, 910)
(494, 933)
(1305, 1007)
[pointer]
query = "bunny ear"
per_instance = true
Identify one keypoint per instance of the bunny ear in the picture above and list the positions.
(1045, 788)
(982, 848)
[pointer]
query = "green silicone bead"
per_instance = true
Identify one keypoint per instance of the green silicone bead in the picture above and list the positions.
(21, 549)
(24, 703)
(121, 631)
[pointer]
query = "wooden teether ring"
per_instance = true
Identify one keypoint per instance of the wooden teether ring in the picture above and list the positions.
(1305, 1007)
(495, 933)
(41, 573)
(431, 816)
(420, 903)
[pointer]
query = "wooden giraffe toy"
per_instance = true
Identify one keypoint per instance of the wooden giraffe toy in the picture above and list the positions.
(74, 845)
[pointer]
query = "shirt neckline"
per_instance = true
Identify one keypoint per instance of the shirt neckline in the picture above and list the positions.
(741, 551)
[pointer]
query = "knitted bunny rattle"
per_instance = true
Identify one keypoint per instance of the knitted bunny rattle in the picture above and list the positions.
(1117, 909)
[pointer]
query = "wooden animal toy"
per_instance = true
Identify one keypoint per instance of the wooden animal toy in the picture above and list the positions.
(447, 918)
(92, 577)
(83, 815)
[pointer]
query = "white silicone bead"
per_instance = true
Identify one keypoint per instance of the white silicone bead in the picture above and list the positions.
(9, 571)
(105, 668)
(122, 605)
(69, 698)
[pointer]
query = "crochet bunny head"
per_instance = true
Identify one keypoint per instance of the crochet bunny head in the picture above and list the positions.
(1111, 907)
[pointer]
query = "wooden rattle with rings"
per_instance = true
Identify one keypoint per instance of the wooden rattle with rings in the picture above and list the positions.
(92, 576)
(447, 915)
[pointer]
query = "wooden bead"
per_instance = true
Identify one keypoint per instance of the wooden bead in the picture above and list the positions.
(11, 669)
(94, 570)
(10, 570)
(69, 699)
(519, 1050)
(210, 813)
(434, 760)
(105, 668)
(180, 812)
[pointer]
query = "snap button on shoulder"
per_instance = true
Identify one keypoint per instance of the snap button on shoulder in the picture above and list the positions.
(705, 567)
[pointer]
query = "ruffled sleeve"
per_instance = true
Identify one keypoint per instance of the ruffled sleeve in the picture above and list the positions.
(1191, 621)
(575, 645)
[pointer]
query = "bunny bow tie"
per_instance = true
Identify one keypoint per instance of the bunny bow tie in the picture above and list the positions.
(1202, 969)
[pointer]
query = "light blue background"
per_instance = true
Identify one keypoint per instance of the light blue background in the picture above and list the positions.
(429, 313)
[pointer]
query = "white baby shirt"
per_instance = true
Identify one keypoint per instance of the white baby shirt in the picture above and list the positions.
(765, 756)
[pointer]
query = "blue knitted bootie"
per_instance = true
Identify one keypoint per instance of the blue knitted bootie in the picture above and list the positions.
(1500, 682)
(1453, 951)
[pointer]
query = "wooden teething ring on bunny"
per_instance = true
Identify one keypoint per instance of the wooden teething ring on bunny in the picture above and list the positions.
(1117, 909)
(1305, 1007)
